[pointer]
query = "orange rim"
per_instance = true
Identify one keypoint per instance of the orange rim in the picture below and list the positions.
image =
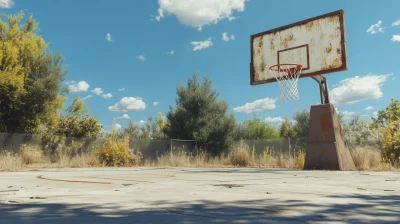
(290, 71)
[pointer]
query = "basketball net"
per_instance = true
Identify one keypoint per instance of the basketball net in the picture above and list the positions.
(287, 75)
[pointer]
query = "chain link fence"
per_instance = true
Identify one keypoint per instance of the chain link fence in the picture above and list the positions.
(150, 149)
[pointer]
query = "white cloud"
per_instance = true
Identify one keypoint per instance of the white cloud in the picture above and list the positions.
(107, 96)
(156, 103)
(97, 91)
(396, 23)
(117, 127)
(124, 116)
(142, 122)
(197, 13)
(375, 114)
(108, 37)
(373, 29)
(81, 86)
(273, 119)
(226, 37)
(121, 90)
(258, 105)
(172, 52)
(6, 4)
(357, 89)
(369, 108)
(141, 57)
(128, 103)
(87, 97)
(347, 115)
(396, 38)
(200, 45)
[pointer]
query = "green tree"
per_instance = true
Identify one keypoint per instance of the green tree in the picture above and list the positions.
(302, 126)
(391, 143)
(200, 116)
(286, 129)
(131, 130)
(255, 129)
(31, 93)
(387, 115)
(153, 129)
(358, 133)
(77, 123)
(239, 132)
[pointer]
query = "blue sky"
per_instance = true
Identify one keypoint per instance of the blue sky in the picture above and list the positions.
(128, 45)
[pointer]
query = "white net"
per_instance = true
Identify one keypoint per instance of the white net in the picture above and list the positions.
(287, 76)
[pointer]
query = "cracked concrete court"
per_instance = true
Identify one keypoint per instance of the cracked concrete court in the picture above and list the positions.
(190, 195)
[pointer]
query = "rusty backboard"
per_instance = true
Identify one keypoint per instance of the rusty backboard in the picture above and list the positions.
(318, 44)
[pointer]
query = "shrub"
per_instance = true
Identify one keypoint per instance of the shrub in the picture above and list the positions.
(301, 158)
(391, 142)
(359, 133)
(366, 158)
(240, 155)
(31, 154)
(11, 162)
(115, 152)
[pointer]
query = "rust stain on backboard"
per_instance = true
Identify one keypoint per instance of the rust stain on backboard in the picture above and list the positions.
(286, 41)
(271, 44)
(263, 66)
(333, 19)
(260, 44)
(325, 36)
(309, 26)
(328, 49)
(260, 53)
(337, 62)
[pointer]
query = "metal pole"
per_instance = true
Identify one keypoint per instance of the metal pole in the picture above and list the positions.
(323, 88)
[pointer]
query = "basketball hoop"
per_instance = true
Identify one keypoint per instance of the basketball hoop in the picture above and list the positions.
(287, 76)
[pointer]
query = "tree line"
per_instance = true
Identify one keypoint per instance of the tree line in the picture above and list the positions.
(32, 100)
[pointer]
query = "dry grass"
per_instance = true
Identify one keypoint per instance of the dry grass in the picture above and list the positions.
(369, 158)
(11, 162)
(32, 154)
(65, 160)
(179, 159)
(241, 155)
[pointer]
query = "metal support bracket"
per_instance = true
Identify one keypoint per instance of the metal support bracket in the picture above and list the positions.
(323, 88)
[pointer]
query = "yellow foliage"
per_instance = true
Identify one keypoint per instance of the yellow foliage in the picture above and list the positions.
(253, 156)
(115, 152)
(391, 142)
(301, 157)
(17, 45)
(161, 121)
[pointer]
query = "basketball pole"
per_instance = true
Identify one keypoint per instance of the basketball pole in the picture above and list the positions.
(323, 88)
(326, 145)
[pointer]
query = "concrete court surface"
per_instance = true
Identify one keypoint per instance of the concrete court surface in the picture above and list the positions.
(191, 195)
